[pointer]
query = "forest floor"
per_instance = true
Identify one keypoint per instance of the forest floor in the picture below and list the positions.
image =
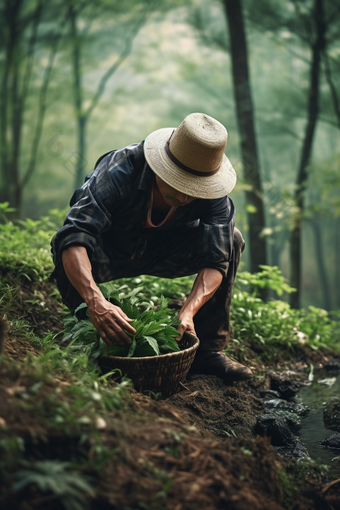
(193, 450)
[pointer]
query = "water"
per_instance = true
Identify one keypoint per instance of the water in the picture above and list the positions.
(313, 430)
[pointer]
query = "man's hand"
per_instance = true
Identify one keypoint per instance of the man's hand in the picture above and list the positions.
(108, 319)
(186, 325)
(111, 321)
(207, 282)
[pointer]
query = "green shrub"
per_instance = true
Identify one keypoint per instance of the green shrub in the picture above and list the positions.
(267, 326)
(270, 277)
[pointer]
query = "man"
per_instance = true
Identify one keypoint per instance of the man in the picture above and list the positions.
(159, 207)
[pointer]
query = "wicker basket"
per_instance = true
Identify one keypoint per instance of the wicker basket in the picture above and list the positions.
(162, 373)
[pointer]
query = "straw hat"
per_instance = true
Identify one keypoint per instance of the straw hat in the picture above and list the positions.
(191, 158)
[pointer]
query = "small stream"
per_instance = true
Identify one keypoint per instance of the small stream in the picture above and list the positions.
(313, 430)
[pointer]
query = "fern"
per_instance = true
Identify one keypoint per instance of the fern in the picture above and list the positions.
(52, 476)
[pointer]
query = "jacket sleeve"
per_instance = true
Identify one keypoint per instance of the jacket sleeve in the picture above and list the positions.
(95, 203)
(90, 215)
(217, 225)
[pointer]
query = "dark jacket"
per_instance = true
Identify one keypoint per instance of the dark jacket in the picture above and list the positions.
(109, 211)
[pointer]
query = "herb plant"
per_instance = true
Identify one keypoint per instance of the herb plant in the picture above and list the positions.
(155, 329)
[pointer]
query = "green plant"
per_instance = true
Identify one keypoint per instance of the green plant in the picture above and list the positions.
(155, 331)
(269, 278)
(154, 288)
(52, 476)
(11, 449)
(273, 326)
(287, 485)
(25, 245)
(5, 210)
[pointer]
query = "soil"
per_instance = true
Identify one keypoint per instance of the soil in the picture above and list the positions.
(194, 450)
(216, 409)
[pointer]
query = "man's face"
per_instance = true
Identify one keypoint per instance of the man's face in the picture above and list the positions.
(171, 196)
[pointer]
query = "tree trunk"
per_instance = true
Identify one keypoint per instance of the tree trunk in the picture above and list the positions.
(337, 268)
(319, 251)
(77, 98)
(81, 161)
(15, 191)
(280, 239)
(19, 49)
(10, 36)
(245, 118)
(301, 182)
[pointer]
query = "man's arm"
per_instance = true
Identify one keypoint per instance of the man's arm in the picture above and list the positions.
(207, 282)
(108, 319)
(217, 227)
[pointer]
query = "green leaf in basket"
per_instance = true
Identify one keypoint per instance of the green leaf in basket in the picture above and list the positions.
(170, 345)
(133, 292)
(147, 315)
(132, 348)
(167, 332)
(155, 333)
(115, 350)
(153, 343)
(129, 308)
(152, 328)
(139, 326)
(147, 347)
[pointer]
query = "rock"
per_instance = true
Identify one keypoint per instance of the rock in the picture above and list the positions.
(293, 420)
(275, 428)
(332, 366)
(299, 409)
(300, 451)
(332, 441)
(331, 414)
(269, 394)
(287, 389)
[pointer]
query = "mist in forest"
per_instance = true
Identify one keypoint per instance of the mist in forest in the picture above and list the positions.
(80, 78)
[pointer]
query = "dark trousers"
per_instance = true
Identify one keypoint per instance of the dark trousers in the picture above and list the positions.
(169, 256)
(212, 321)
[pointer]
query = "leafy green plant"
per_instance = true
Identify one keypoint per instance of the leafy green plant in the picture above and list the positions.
(270, 326)
(25, 245)
(155, 331)
(269, 278)
(154, 287)
(5, 209)
(52, 476)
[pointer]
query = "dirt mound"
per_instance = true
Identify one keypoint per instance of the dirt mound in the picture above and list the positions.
(40, 306)
(194, 450)
(168, 469)
(218, 409)
(36, 303)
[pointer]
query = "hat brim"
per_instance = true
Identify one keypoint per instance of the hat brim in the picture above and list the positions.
(213, 186)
